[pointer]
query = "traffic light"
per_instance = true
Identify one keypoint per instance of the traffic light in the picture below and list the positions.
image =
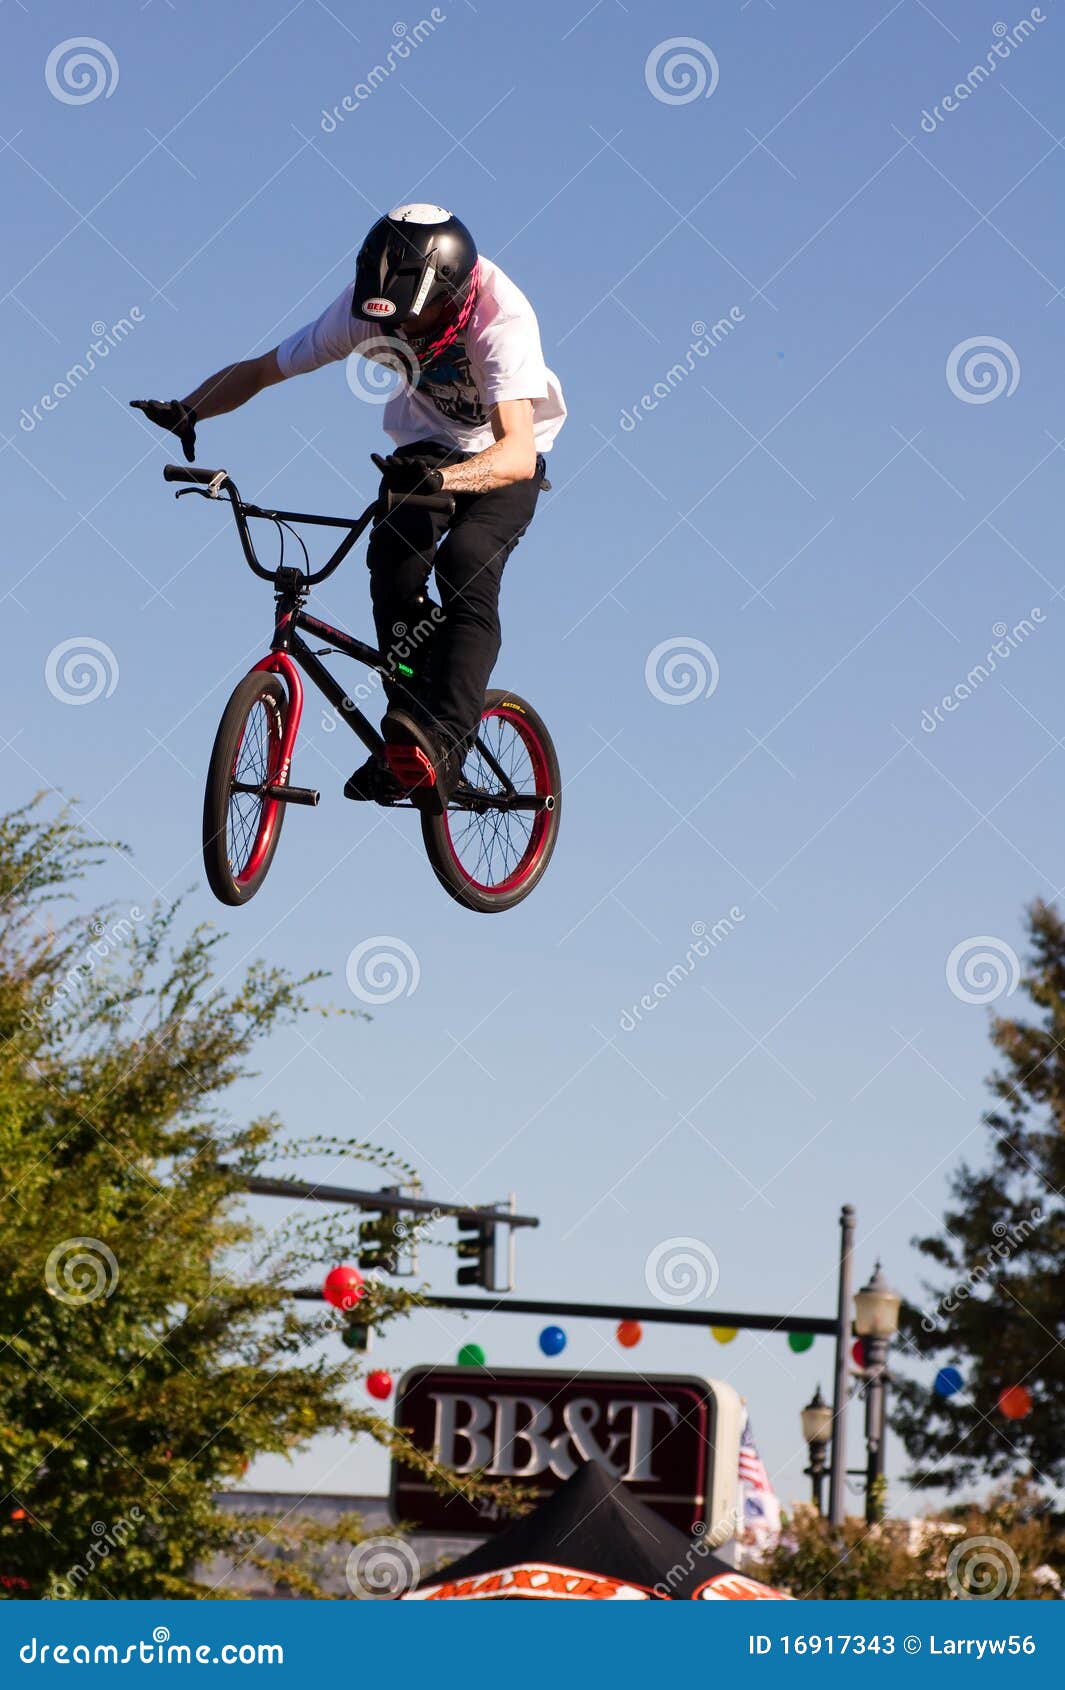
(381, 1237)
(477, 1247)
(379, 1244)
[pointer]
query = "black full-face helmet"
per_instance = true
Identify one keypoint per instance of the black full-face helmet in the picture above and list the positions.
(418, 264)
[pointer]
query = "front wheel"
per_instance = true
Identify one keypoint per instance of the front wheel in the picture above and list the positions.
(241, 825)
(492, 845)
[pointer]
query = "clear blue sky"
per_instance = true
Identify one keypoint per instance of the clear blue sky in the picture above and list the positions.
(814, 502)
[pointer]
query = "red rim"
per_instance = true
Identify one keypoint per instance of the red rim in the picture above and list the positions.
(268, 808)
(540, 822)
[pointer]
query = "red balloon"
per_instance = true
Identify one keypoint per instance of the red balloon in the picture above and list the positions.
(858, 1352)
(343, 1286)
(379, 1385)
(629, 1333)
(1015, 1402)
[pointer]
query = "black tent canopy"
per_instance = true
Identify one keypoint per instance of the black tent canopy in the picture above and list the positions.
(591, 1540)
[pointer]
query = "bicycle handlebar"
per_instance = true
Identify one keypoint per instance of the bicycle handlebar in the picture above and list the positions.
(216, 484)
(441, 502)
(179, 472)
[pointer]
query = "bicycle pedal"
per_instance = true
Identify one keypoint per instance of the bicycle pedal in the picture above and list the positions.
(410, 765)
(294, 795)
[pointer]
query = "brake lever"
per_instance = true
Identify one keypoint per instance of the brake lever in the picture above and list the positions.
(213, 490)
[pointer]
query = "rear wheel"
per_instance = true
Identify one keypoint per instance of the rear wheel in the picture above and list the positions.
(494, 842)
(241, 825)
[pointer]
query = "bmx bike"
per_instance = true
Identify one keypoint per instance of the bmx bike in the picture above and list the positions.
(489, 848)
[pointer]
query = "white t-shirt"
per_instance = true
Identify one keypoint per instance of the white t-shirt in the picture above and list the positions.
(496, 356)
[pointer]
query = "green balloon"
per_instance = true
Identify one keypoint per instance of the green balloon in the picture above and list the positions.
(799, 1341)
(471, 1355)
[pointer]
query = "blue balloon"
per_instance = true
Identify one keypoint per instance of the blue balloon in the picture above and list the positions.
(552, 1340)
(948, 1381)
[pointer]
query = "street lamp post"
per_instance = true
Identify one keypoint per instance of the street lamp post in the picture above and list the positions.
(817, 1431)
(876, 1320)
(837, 1475)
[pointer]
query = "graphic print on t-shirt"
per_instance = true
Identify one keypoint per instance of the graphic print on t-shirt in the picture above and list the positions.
(447, 382)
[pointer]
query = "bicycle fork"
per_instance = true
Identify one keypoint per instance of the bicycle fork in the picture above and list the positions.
(280, 663)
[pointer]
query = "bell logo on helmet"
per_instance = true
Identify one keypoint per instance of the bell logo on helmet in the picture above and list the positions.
(378, 308)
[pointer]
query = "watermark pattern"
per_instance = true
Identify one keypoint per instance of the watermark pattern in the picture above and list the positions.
(983, 969)
(407, 641)
(681, 1270)
(983, 1569)
(681, 70)
(79, 70)
(1006, 40)
(703, 342)
(1008, 1240)
(110, 934)
(406, 41)
(80, 1271)
(681, 1569)
(381, 1568)
(105, 339)
(703, 1543)
(704, 940)
(381, 365)
(105, 1539)
(160, 1650)
(81, 670)
(981, 369)
(382, 969)
(680, 670)
(1007, 640)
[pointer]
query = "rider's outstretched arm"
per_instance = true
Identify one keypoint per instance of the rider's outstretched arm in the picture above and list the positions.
(233, 386)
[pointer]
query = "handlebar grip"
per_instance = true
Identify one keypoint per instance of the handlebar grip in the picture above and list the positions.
(198, 477)
(443, 503)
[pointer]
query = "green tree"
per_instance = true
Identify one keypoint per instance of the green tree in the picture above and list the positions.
(996, 1308)
(1012, 1547)
(149, 1348)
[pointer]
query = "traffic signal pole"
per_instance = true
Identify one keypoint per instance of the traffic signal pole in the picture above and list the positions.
(821, 1325)
(382, 1201)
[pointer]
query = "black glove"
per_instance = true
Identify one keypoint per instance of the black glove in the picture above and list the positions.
(172, 415)
(408, 475)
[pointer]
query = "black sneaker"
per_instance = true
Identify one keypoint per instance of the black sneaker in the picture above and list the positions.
(373, 783)
(422, 765)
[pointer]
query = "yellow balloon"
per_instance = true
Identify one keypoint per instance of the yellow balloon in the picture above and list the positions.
(724, 1334)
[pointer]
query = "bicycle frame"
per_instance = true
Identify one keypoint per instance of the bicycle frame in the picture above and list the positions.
(287, 649)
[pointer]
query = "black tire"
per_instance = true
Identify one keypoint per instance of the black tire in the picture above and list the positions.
(491, 860)
(241, 830)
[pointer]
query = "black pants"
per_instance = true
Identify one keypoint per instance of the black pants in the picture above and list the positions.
(457, 657)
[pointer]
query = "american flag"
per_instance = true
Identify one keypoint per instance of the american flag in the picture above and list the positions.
(761, 1509)
(752, 1467)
